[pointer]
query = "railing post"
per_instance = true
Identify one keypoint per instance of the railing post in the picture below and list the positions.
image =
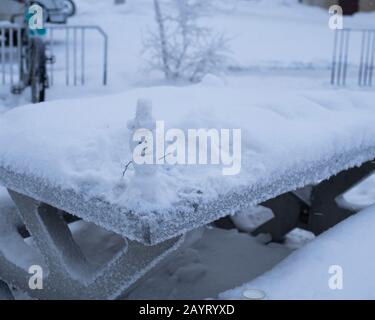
(372, 57)
(3, 61)
(79, 43)
(333, 71)
(340, 56)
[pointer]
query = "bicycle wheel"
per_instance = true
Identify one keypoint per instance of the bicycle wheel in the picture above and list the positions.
(38, 71)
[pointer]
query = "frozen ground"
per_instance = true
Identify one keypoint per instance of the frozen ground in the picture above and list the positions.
(276, 46)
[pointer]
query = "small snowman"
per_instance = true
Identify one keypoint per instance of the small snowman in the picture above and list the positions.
(142, 125)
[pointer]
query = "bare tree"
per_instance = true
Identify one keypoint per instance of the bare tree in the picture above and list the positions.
(181, 47)
(162, 39)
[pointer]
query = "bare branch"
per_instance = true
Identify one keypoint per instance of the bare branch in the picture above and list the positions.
(183, 48)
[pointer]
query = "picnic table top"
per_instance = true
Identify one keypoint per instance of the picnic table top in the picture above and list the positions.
(71, 153)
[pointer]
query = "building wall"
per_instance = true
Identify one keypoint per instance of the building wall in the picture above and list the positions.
(364, 5)
(320, 3)
(367, 5)
(9, 8)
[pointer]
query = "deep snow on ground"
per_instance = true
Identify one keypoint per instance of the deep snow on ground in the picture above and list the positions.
(305, 273)
(201, 270)
(276, 45)
(263, 35)
(277, 35)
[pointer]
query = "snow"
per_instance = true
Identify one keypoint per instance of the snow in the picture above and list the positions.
(362, 195)
(305, 273)
(82, 145)
(249, 219)
(297, 238)
(264, 35)
(295, 128)
(92, 156)
(12, 244)
(201, 270)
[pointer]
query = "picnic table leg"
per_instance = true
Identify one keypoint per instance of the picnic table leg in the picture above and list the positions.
(5, 293)
(320, 211)
(52, 237)
(139, 260)
(287, 209)
(67, 273)
(15, 255)
(325, 210)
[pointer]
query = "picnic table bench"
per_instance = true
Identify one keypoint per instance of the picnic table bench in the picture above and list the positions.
(69, 156)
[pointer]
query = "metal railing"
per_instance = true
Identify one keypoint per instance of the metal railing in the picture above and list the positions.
(69, 59)
(75, 52)
(341, 56)
(10, 54)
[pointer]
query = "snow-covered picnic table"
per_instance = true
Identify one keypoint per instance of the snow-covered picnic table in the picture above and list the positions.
(71, 154)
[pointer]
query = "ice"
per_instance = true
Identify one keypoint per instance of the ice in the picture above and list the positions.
(305, 273)
(71, 153)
